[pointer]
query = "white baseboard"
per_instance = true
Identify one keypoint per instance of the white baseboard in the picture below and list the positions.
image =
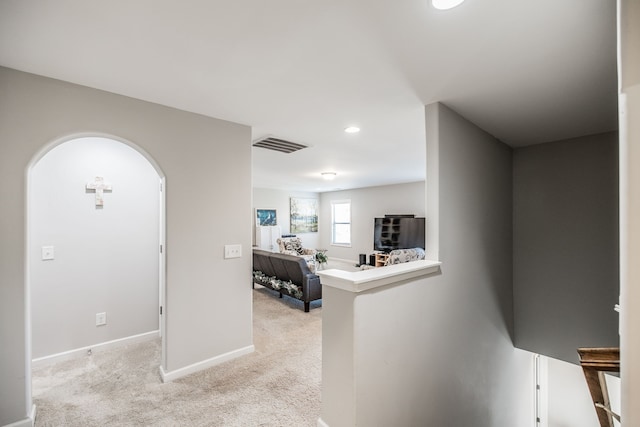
(79, 352)
(199, 366)
(30, 421)
(322, 423)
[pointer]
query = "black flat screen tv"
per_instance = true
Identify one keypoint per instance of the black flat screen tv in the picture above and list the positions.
(392, 233)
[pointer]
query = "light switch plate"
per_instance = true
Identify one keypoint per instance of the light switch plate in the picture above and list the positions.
(232, 251)
(101, 319)
(47, 253)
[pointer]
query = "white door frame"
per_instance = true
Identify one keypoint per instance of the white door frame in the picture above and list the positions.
(628, 23)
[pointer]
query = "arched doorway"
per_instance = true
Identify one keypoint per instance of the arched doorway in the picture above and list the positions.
(95, 257)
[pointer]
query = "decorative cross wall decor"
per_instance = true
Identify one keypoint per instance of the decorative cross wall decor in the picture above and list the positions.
(99, 186)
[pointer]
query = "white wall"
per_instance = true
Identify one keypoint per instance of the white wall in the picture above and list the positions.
(566, 401)
(265, 198)
(106, 259)
(208, 312)
(367, 204)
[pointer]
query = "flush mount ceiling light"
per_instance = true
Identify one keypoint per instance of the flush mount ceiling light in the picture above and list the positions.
(352, 129)
(445, 4)
(328, 175)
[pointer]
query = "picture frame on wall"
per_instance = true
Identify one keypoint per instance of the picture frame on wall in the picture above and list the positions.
(265, 217)
(304, 215)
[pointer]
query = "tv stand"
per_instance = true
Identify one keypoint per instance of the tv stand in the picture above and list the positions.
(381, 258)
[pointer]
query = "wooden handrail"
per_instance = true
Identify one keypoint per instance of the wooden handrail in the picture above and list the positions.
(595, 362)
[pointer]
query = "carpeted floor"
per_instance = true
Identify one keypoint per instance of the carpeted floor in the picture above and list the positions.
(277, 385)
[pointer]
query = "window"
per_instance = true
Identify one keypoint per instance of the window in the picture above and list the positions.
(341, 222)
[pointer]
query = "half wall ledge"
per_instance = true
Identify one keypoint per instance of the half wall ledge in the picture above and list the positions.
(359, 281)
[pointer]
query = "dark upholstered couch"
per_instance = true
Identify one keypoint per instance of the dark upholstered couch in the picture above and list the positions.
(287, 274)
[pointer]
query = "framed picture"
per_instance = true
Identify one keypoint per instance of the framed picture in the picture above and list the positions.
(304, 215)
(266, 217)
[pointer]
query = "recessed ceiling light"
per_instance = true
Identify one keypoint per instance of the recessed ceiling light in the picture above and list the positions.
(328, 175)
(352, 129)
(445, 4)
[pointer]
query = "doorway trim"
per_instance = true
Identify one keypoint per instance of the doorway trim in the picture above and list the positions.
(162, 250)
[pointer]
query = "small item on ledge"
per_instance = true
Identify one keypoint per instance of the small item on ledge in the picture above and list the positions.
(363, 259)
(321, 256)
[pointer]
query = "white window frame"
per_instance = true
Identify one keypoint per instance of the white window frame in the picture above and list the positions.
(333, 223)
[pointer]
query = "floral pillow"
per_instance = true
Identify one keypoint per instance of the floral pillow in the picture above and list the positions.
(399, 256)
(294, 245)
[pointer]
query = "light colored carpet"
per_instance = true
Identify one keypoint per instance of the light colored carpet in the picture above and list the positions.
(277, 385)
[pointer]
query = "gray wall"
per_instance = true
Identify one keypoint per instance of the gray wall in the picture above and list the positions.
(367, 204)
(473, 375)
(208, 298)
(566, 273)
(106, 259)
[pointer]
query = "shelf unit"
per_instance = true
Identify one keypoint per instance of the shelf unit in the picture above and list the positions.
(381, 259)
(267, 237)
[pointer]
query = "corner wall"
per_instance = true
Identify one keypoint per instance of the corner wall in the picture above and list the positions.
(208, 310)
(566, 263)
(472, 373)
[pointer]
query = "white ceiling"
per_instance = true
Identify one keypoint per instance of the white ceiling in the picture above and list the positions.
(526, 71)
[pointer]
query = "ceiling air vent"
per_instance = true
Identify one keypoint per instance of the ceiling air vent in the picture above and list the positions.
(277, 144)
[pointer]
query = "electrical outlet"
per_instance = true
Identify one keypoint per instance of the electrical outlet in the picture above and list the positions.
(232, 251)
(101, 319)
